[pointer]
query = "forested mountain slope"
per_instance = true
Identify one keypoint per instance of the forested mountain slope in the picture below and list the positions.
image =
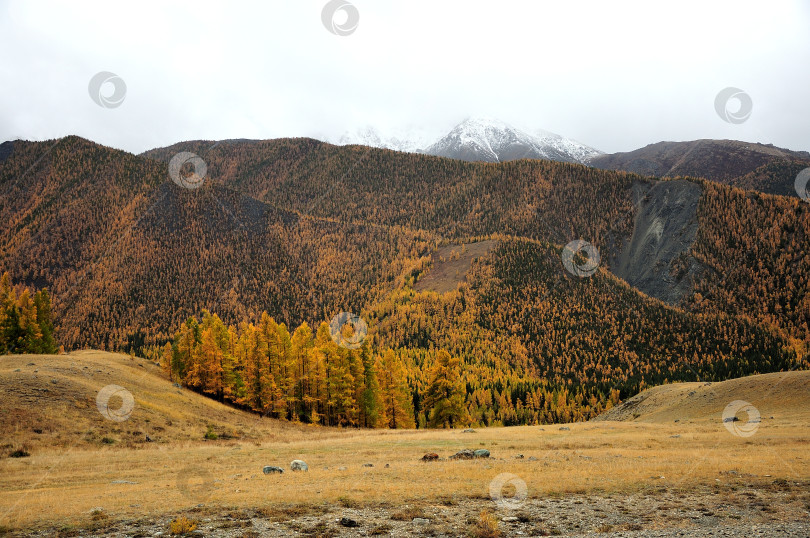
(305, 230)
(553, 201)
(761, 167)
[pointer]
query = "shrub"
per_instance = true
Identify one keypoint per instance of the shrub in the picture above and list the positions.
(182, 525)
(348, 502)
(97, 514)
(407, 514)
(487, 526)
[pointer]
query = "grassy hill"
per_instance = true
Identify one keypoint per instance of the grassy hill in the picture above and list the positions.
(781, 397)
(49, 401)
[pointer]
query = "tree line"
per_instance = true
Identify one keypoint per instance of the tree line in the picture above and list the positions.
(306, 376)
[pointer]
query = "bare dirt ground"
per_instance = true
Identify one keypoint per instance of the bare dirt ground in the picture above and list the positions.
(450, 266)
(735, 508)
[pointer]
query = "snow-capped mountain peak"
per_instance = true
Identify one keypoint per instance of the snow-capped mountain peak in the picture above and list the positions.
(411, 141)
(478, 139)
(493, 140)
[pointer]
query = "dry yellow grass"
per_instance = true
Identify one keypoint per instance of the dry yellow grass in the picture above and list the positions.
(783, 395)
(450, 266)
(62, 482)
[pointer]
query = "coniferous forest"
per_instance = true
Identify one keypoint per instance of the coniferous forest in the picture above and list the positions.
(302, 376)
(25, 319)
(287, 233)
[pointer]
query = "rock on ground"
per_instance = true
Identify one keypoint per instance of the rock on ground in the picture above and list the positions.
(267, 469)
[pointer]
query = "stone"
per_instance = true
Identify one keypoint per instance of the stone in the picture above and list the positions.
(481, 453)
(519, 457)
(299, 465)
(430, 456)
(267, 469)
(348, 522)
(420, 521)
(565, 429)
(368, 465)
(465, 454)
(469, 430)
(509, 519)
(341, 468)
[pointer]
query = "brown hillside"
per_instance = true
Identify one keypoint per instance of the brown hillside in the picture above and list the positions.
(725, 161)
(50, 401)
(781, 396)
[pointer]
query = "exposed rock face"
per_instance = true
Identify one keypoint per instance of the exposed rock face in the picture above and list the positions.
(656, 258)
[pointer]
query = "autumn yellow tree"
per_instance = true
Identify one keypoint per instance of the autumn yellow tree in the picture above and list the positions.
(25, 320)
(444, 398)
(395, 395)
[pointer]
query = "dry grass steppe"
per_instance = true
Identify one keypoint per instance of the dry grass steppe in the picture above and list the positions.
(87, 473)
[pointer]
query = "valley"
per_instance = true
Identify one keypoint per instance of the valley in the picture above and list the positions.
(341, 268)
(674, 466)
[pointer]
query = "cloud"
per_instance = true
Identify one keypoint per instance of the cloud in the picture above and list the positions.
(615, 76)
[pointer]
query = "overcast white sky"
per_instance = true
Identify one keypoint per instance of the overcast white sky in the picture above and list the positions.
(613, 75)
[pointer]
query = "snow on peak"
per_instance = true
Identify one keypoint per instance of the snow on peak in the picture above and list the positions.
(412, 141)
(493, 140)
(477, 139)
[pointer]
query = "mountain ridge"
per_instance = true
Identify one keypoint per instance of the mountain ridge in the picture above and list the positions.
(755, 166)
(304, 230)
(478, 139)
